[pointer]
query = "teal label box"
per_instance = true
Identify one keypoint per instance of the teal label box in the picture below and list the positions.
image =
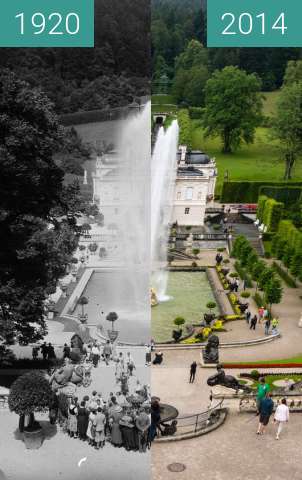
(254, 23)
(47, 23)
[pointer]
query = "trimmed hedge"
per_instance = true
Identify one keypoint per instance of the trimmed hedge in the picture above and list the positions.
(270, 212)
(248, 192)
(287, 195)
(290, 282)
(185, 130)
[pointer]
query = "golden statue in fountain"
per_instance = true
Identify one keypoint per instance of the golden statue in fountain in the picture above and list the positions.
(153, 297)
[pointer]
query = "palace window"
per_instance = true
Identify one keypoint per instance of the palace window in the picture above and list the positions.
(187, 211)
(189, 193)
(178, 195)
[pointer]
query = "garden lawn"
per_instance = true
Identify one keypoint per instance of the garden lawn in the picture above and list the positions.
(269, 103)
(285, 361)
(163, 103)
(259, 161)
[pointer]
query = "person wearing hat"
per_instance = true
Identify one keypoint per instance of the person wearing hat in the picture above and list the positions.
(115, 414)
(142, 424)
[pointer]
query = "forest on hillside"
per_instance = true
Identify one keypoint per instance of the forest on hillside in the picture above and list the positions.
(175, 23)
(109, 75)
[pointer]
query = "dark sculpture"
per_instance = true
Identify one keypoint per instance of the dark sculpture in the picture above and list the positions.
(220, 378)
(211, 353)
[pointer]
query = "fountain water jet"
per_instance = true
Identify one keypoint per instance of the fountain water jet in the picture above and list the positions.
(163, 177)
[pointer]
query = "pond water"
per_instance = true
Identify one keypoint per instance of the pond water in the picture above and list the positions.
(190, 292)
(108, 291)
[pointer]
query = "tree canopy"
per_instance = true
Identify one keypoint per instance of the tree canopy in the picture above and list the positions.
(232, 107)
(35, 245)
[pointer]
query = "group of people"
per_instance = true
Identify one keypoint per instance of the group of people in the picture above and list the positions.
(116, 420)
(47, 351)
(265, 408)
(270, 324)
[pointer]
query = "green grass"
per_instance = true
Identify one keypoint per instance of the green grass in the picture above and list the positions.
(296, 359)
(257, 161)
(269, 103)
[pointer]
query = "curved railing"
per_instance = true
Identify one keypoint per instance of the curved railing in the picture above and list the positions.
(195, 424)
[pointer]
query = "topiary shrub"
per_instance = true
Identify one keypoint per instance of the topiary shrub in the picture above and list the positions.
(178, 321)
(211, 306)
(30, 393)
(194, 265)
(245, 294)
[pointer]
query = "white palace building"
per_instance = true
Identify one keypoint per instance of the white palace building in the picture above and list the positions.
(194, 187)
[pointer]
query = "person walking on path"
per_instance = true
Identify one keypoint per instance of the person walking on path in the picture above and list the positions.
(261, 313)
(253, 322)
(275, 326)
(44, 350)
(66, 351)
(193, 368)
(95, 355)
(35, 352)
(248, 316)
(267, 326)
(281, 416)
(262, 390)
(107, 352)
(265, 411)
(130, 364)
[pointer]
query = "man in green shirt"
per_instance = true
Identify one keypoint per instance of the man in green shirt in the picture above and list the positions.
(262, 390)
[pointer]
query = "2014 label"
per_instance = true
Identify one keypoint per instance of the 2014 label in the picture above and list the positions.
(53, 24)
(246, 23)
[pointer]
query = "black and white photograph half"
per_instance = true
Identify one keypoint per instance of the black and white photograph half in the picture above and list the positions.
(75, 196)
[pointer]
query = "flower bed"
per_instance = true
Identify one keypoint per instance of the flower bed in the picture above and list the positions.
(233, 298)
(224, 282)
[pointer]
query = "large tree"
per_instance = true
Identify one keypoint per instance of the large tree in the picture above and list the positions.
(287, 124)
(35, 245)
(233, 107)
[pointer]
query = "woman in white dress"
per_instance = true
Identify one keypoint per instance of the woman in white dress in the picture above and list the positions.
(281, 416)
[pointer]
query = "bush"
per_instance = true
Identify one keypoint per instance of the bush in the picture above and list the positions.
(196, 251)
(185, 128)
(245, 294)
(93, 247)
(216, 227)
(255, 374)
(211, 305)
(178, 321)
(30, 393)
(248, 192)
(226, 260)
(258, 299)
(194, 265)
(234, 275)
(290, 282)
(243, 275)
